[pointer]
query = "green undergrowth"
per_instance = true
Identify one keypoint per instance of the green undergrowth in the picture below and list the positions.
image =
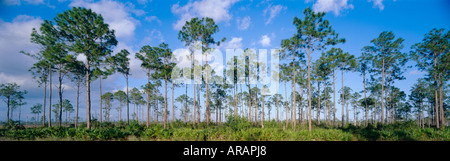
(234, 129)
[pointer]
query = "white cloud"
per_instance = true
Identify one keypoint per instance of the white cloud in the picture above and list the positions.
(115, 14)
(265, 40)
(35, 2)
(377, 3)
(81, 57)
(234, 43)
(153, 37)
(273, 11)
(216, 9)
(243, 23)
(143, 2)
(15, 37)
(416, 72)
(153, 18)
(335, 6)
(18, 2)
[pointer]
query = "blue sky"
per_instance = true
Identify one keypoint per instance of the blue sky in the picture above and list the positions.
(245, 24)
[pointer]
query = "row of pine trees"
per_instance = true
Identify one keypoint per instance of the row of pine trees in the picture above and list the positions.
(313, 83)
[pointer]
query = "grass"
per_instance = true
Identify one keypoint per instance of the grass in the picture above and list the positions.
(235, 129)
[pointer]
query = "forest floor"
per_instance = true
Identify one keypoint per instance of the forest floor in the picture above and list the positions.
(232, 130)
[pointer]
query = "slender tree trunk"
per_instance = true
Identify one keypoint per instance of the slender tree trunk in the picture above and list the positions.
(242, 102)
(78, 95)
(165, 101)
(208, 112)
(134, 108)
(429, 114)
(12, 113)
(45, 97)
(157, 111)
(148, 106)
(346, 112)
(235, 99)
(128, 103)
(390, 98)
(120, 109)
(20, 111)
(294, 119)
(436, 112)
(382, 89)
(276, 100)
(327, 110)
(342, 98)
(185, 105)
(256, 104)
(365, 98)
(309, 91)
(354, 115)
(292, 105)
(220, 112)
(173, 108)
(318, 108)
(60, 96)
(262, 115)
(436, 92)
(334, 101)
(193, 64)
(217, 114)
(441, 101)
(249, 101)
(100, 86)
(375, 112)
(300, 108)
(423, 123)
(199, 101)
(418, 116)
(66, 117)
(285, 104)
(49, 97)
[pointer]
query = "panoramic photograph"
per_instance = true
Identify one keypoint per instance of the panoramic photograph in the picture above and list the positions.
(224, 70)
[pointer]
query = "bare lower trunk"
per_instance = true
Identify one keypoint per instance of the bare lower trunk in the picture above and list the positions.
(88, 97)
(294, 119)
(262, 115)
(235, 100)
(60, 96)
(173, 108)
(309, 91)
(249, 101)
(78, 94)
(342, 98)
(334, 102)
(441, 102)
(148, 108)
(365, 98)
(318, 107)
(128, 104)
(285, 104)
(185, 105)
(165, 101)
(256, 104)
(276, 100)
(100, 86)
(45, 97)
(195, 113)
(49, 98)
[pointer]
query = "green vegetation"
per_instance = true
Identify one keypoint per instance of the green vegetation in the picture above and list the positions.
(310, 61)
(238, 129)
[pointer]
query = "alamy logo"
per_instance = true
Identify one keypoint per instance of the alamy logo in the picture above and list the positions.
(241, 67)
